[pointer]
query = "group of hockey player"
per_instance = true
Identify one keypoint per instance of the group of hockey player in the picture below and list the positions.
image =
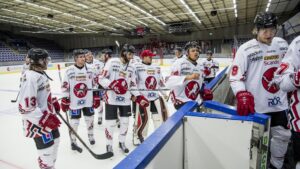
(264, 70)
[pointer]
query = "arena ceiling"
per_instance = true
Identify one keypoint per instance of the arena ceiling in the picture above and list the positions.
(123, 16)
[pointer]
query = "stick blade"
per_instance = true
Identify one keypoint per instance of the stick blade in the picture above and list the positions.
(13, 101)
(104, 155)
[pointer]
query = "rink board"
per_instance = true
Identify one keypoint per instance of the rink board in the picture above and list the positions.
(193, 140)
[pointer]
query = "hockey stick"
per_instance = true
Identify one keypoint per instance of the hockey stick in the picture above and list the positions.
(13, 101)
(67, 118)
(132, 89)
(97, 156)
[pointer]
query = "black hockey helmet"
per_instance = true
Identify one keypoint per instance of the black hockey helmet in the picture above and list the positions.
(265, 20)
(191, 44)
(37, 53)
(178, 49)
(77, 52)
(209, 52)
(106, 51)
(128, 48)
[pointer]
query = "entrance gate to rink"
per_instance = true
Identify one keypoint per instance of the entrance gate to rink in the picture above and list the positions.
(197, 140)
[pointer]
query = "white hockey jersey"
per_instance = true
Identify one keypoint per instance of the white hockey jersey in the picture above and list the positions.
(184, 90)
(284, 76)
(148, 78)
(75, 86)
(34, 98)
(96, 65)
(212, 65)
(114, 69)
(253, 70)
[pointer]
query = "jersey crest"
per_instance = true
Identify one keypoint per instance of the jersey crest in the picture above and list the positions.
(192, 89)
(150, 82)
(267, 79)
(80, 90)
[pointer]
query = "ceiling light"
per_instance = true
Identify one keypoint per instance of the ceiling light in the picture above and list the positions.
(190, 11)
(143, 11)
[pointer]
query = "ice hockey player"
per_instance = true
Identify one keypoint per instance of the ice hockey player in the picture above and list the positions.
(210, 67)
(252, 81)
(77, 99)
(105, 55)
(37, 107)
(118, 76)
(97, 67)
(288, 77)
(186, 79)
(149, 81)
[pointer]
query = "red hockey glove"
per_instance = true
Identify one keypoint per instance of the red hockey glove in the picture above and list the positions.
(55, 104)
(206, 71)
(207, 94)
(297, 79)
(49, 121)
(65, 104)
(245, 103)
(117, 87)
(96, 100)
(142, 101)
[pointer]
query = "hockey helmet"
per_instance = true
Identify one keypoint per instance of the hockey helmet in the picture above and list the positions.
(78, 52)
(178, 49)
(106, 51)
(37, 53)
(128, 48)
(265, 20)
(191, 44)
(209, 52)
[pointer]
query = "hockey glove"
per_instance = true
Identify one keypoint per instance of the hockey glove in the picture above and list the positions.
(117, 87)
(65, 104)
(207, 94)
(49, 121)
(96, 100)
(296, 79)
(55, 104)
(245, 103)
(206, 71)
(142, 101)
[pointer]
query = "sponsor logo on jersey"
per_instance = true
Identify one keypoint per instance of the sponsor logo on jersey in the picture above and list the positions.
(81, 102)
(254, 54)
(80, 90)
(192, 89)
(257, 58)
(271, 51)
(272, 57)
(150, 72)
(150, 82)
(47, 138)
(120, 98)
(274, 101)
(151, 94)
(80, 78)
(267, 80)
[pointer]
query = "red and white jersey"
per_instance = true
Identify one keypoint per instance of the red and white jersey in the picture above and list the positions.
(253, 70)
(184, 90)
(212, 65)
(289, 65)
(114, 69)
(96, 65)
(75, 86)
(34, 99)
(148, 77)
(135, 59)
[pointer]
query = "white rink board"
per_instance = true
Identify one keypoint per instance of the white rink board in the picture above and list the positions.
(171, 155)
(217, 143)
